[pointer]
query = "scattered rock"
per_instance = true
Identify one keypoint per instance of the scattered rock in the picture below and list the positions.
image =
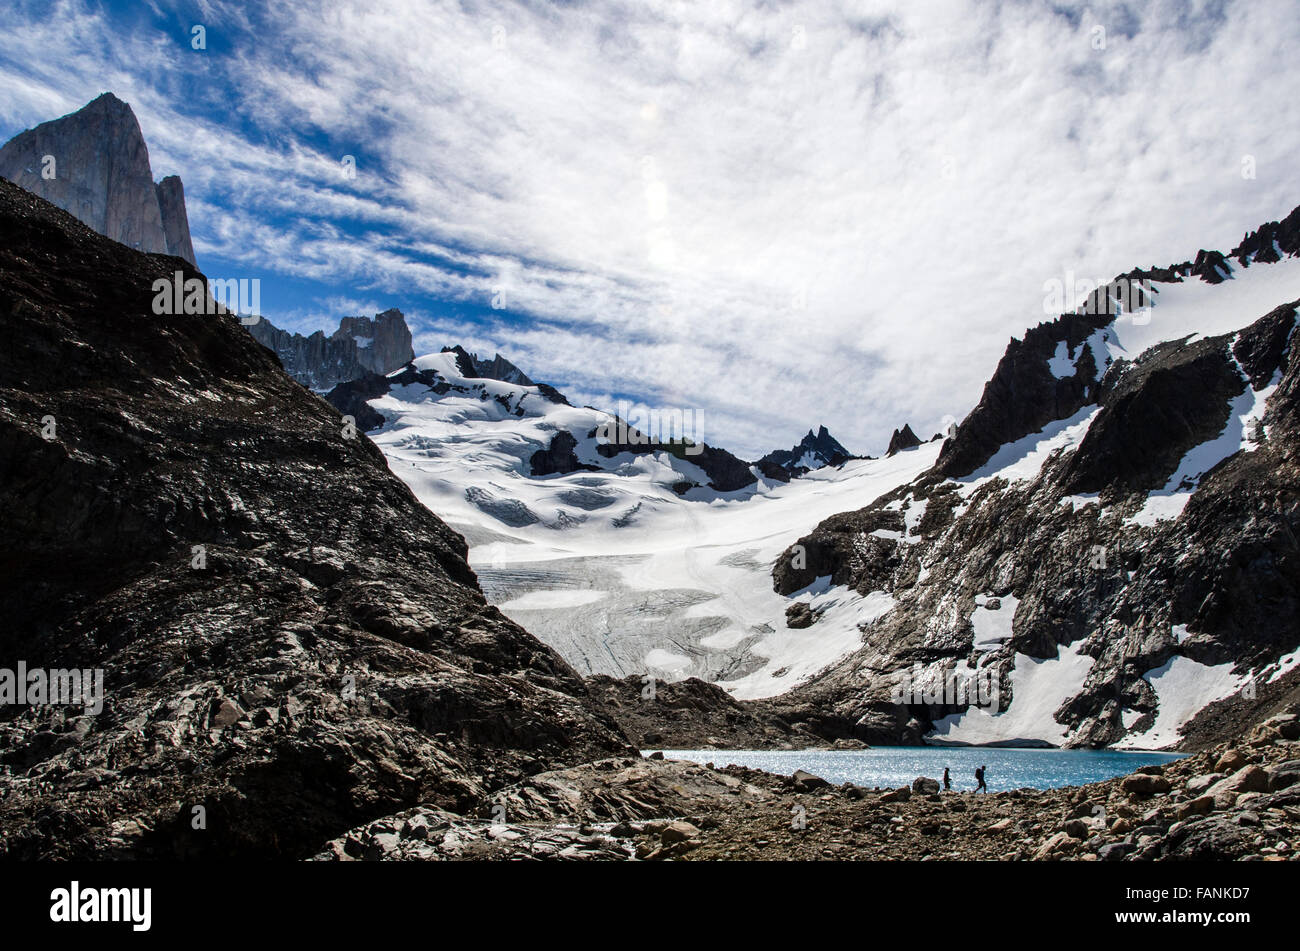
(1144, 784)
(807, 782)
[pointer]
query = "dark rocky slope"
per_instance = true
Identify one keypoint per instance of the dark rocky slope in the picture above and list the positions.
(325, 657)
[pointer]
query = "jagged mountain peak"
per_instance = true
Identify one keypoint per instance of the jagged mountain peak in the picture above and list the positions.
(107, 101)
(817, 449)
(361, 346)
(902, 439)
(94, 164)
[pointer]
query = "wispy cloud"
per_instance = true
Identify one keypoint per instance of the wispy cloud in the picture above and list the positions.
(782, 213)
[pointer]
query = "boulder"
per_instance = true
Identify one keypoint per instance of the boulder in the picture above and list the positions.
(925, 786)
(807, 782)
(1114, 851)
(1144, 784)
(799, 615)
(226, 713)
(1247, 779)
(1209, 838)
(1284, 726)
(1230, 762)
(1199, 784)
(1076, 829)
(679, 831)
(1284, 775)
(1062, 843)
(1199, 806)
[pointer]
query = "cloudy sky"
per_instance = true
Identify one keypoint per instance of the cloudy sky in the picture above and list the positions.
(781, 214)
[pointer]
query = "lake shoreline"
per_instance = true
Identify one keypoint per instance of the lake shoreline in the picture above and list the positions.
(1236, 802)
(893, 766)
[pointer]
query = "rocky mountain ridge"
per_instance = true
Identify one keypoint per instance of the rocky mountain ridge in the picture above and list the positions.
(360, 347)
(1110, 533)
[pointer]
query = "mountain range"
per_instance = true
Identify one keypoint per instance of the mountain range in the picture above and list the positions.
(350, 602)
(360, 346)
(1107, 539)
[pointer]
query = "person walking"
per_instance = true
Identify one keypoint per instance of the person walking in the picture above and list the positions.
(947, 780)
(979, 778)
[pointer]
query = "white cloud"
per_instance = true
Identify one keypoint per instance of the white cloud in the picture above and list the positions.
(785, 214)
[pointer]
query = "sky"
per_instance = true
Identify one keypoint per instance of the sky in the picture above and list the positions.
(778, 215)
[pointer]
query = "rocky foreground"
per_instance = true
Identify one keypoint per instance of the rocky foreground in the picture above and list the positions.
(1234, 802)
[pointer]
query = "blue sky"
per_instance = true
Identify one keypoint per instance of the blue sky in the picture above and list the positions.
(778, 214)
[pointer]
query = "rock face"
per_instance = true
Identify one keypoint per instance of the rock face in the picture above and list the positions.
(383, 344)
(176, 223)
(814, 451)
(1158, 532)
(361, 346)
(559, 458)
(291, 644)
(94, 164)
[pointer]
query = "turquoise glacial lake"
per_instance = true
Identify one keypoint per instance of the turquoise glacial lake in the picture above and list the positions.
(892, 766)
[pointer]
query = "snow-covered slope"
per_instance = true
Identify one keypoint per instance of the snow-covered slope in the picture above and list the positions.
(1110, 535)
(615, 564)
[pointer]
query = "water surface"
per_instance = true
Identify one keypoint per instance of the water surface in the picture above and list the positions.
(892, 766)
